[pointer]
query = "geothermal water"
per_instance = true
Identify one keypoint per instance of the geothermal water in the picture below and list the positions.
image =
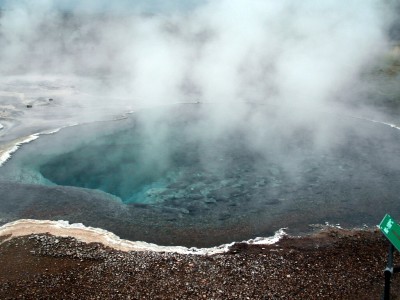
(175, 176)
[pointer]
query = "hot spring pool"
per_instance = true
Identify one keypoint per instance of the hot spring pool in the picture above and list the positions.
(177, 176)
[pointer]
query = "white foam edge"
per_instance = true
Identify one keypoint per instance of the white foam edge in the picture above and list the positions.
(6, 155)
(378, 122)
(89, 234)
(16, 144)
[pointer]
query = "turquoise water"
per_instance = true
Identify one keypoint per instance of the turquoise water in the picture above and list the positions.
(167, 163)
(174, 178)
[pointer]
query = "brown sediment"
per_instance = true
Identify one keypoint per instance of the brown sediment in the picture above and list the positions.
(333, 264)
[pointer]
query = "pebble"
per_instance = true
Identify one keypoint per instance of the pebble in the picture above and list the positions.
(300, 271)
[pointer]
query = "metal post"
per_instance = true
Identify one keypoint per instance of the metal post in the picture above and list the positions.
(388, 273)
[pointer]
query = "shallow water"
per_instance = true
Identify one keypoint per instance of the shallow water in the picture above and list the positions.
(173, 178)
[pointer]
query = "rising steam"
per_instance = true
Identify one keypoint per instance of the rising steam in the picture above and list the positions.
(298, 61)
(289, 53)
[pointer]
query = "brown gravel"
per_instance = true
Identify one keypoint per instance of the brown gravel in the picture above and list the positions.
(334, 264)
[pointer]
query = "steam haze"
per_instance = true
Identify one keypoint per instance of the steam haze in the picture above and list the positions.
(272, 138)
(291, 54)
(298, 62)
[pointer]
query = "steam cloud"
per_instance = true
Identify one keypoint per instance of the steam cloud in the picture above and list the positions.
(287, 52)
(280, 76)
(296, 59)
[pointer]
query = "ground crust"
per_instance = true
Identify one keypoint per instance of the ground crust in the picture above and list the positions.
(330, 264)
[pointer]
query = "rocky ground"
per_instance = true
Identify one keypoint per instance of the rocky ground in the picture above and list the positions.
(333, 264)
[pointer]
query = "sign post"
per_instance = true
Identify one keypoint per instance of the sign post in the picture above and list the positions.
(391, 230)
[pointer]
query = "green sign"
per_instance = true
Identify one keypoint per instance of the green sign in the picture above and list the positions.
(391, 230)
